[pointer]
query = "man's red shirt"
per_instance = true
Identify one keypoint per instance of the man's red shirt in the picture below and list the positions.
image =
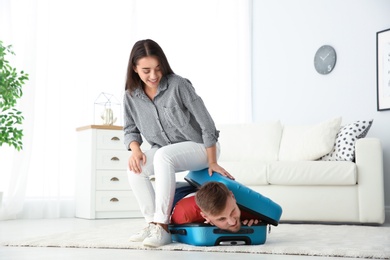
(187, 211)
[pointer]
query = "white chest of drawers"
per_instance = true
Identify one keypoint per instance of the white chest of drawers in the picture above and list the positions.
(102, 188)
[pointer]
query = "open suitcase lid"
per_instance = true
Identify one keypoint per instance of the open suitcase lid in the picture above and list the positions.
(247, 199)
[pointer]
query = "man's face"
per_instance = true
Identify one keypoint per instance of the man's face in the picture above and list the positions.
(228, 219)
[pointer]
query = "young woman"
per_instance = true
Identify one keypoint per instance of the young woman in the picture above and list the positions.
(165, 109)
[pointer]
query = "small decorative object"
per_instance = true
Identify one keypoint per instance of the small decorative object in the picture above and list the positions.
(108, 116)
(383, 69)
(325, 59)
(108, 107)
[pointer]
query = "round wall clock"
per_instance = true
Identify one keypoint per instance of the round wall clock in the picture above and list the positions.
(325, 59)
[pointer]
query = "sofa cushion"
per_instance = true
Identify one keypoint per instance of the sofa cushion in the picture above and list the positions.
(249, 142)
(248, 173)
(312, 173)
(344, 146)
(305, 143)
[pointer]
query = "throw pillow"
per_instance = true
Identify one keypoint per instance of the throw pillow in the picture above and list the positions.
(303, 143)
(344, 146)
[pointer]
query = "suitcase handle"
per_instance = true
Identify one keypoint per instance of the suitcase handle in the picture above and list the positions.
(182, 232)
(233, 240)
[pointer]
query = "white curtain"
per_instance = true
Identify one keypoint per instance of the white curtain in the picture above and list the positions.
(73, 50)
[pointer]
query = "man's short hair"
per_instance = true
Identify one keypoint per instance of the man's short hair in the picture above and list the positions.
(211, 197)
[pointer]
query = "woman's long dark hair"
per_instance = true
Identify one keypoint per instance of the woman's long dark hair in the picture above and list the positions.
(140, 50)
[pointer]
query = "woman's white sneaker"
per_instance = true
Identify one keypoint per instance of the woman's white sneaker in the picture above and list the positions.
(142, 234)
(158, 237)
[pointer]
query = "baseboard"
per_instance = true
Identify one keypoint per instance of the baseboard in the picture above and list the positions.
(387, 214)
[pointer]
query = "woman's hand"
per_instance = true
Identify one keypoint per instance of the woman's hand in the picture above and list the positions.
(250, 222)
(137, 159)
(215, 167)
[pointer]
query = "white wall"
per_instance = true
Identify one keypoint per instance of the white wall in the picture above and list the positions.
(286, 35)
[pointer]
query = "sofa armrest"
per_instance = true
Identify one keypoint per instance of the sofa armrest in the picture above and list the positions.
(369, 162)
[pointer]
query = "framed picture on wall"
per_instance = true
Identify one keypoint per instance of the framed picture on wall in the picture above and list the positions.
(383, 69)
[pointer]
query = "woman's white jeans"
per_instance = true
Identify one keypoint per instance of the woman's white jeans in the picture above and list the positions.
(164, 163)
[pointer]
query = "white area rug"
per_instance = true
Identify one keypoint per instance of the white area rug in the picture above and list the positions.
(285, 239)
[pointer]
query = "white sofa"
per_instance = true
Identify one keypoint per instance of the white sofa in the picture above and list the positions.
(281, 162)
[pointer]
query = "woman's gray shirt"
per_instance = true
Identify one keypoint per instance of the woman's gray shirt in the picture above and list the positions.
(176, 114)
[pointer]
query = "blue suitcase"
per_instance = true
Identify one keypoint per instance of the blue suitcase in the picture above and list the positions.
(253, 202)
(207, 235)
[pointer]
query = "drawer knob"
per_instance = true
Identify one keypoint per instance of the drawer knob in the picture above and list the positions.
(114, 179)
(114, 200)
(114, 158)
(115, 138)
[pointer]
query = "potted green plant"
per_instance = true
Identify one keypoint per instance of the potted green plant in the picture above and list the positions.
(11, 83)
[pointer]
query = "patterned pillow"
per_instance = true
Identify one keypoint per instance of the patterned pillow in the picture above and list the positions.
(344, 147)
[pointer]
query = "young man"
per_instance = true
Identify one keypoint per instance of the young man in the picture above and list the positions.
(215, 204)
